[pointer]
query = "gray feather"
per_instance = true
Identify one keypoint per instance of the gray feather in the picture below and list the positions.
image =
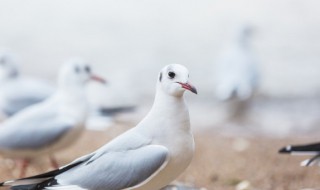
(117, 170)
(32, 129)
(16, 105)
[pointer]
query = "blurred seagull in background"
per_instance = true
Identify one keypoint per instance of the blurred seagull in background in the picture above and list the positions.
(237, 73)
(307, 149)
(148, 156)
(102, 117)
(19, 92)
(52, 124)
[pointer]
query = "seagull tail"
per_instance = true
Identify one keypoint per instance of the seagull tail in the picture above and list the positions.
(23, 187)
(38, 182)
(35, 186)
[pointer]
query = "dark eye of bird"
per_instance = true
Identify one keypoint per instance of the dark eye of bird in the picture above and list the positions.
(87, 69)
(171, 75)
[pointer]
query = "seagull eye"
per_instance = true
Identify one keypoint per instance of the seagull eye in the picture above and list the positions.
(171, 75)
(87, 69)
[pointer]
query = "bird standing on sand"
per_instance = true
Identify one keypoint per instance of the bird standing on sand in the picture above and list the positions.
(237, 75)
(52, 124)
(147, 157)
(19, 92)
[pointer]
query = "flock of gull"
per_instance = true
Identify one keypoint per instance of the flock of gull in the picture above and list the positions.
(41, 120)
(149, 156)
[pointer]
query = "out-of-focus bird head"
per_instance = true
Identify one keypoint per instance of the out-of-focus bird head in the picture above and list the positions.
(77, 72)
(244, 33)
(8, 68)
(174, 80)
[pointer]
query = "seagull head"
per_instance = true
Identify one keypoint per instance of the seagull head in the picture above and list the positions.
(244, 33)
(77, 72)
(8, 68)
(174, 80)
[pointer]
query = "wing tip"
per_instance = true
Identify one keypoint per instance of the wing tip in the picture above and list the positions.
(286, 150)
(5, 183)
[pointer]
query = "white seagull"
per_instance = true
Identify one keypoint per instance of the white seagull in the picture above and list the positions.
(237, 74)
(147, 157)
(312, 149)
(19, 92)
(52, 124)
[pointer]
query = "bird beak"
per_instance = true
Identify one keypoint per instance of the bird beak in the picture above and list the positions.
(189, 87)
(98, 79)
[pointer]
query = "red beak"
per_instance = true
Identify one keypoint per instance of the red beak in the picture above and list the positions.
(189, 87)
(98, 79)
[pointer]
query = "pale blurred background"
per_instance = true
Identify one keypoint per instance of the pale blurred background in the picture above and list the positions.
(128, 42)
(145, 35)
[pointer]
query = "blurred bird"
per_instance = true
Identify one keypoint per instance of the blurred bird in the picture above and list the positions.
(101, 117)
(308, 149)
(111, 111)
(109, 105)
(148, 156)
(52, 124)
(19, 92)
(237, 73)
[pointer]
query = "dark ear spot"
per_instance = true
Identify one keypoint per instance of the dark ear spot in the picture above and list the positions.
(160, 77)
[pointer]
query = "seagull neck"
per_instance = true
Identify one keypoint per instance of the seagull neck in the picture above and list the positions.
(243, 41)
(168, 114)
(166, 106)
(72, 93)
(164, 101)
(73, 103)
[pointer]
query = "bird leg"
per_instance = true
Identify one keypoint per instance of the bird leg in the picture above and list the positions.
(311, 160)
(53, 162)
(23, 168)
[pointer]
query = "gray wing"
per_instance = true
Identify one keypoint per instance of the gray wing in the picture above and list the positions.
(32, 129)
(23, 92)
(116, 170)
(15, 105)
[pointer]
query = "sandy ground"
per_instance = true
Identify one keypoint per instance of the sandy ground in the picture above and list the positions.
(220, 161)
